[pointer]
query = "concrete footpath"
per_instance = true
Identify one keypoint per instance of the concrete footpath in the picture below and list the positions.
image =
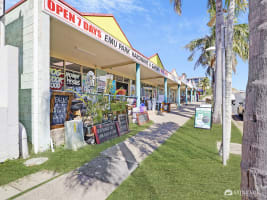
(100, 177)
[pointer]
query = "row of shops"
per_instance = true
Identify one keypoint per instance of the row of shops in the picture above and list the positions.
(62, 50)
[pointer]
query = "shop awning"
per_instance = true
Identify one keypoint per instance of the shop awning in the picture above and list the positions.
(86, 44)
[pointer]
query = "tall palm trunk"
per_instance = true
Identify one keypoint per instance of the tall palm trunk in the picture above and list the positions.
(217, 115)
(254, 147)
(228, 82)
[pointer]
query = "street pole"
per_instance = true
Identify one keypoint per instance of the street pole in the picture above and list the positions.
(2, 23)
(224, 156)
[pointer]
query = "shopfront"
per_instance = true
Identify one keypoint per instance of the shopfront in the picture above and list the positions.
(69, 53)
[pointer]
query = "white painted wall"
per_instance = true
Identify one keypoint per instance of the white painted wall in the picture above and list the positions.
(9, 122)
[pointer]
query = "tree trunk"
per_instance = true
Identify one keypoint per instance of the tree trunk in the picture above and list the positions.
(217, 115)
(228, 82)
(254, 147)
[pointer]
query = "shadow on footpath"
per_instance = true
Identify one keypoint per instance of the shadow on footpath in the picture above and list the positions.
(116, 163)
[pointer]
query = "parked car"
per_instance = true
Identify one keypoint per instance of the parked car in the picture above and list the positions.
(241, 109)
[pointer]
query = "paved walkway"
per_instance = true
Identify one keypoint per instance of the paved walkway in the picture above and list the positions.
(234, 148)
(100, 177)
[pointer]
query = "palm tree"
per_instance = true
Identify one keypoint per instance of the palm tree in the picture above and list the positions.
(217, 8)
(204, 84)
(254, 145)
(217, 97)
(207, 59)
(177, 4)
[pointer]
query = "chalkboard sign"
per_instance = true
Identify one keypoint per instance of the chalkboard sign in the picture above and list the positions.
(104, 132)
(60, 108)
(142, 118)
(123, 124)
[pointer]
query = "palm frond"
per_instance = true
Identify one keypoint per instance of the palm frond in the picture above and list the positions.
(177, 6)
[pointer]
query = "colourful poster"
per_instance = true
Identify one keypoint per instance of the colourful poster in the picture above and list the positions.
(203, 118)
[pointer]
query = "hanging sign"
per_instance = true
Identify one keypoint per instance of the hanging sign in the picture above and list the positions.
(2, 8)
(73, 79)
(70, 16)
(203, 118)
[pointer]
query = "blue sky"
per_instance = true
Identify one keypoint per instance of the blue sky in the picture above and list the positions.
(154, 27)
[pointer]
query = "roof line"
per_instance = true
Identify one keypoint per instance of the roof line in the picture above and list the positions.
(156, 54)
(97, 14)
(14, 6)
(141, 53)
(153, 55)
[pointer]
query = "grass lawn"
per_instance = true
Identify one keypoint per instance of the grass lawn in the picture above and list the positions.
(186, 167)
(61, 160)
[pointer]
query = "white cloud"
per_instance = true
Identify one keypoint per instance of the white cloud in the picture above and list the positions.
(109, 6)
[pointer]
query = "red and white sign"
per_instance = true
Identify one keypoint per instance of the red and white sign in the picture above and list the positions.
(64, 13)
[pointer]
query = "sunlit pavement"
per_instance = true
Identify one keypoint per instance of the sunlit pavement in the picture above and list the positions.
(100, 177)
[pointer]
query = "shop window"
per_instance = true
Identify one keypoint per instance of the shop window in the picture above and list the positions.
(126, 80)
(56, 74)
(89, 80)
(73, 77)
(119, 78)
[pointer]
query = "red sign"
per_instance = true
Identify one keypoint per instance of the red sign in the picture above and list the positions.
(61, 11)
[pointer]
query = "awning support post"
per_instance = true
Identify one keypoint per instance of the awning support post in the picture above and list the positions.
(178, 96)
(138, 85)
(191, 93)
(186, 91)
(165, 91)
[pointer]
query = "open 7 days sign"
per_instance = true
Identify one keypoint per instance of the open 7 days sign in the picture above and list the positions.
(71, 17)
(2, 8)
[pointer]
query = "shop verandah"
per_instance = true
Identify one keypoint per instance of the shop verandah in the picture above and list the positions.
(71, 52)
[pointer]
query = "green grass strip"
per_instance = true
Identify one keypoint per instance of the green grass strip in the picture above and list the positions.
(187, 166)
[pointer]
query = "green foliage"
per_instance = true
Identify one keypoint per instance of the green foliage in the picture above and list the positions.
(62, 160)
(187, 166)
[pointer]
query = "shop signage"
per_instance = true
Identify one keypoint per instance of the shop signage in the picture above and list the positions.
(123, 124)
(2, 8)
(203, 118)
(142, 118)
(60, 108)
(71, 17)
(56, 79)
(73, 79)
(105, 132)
